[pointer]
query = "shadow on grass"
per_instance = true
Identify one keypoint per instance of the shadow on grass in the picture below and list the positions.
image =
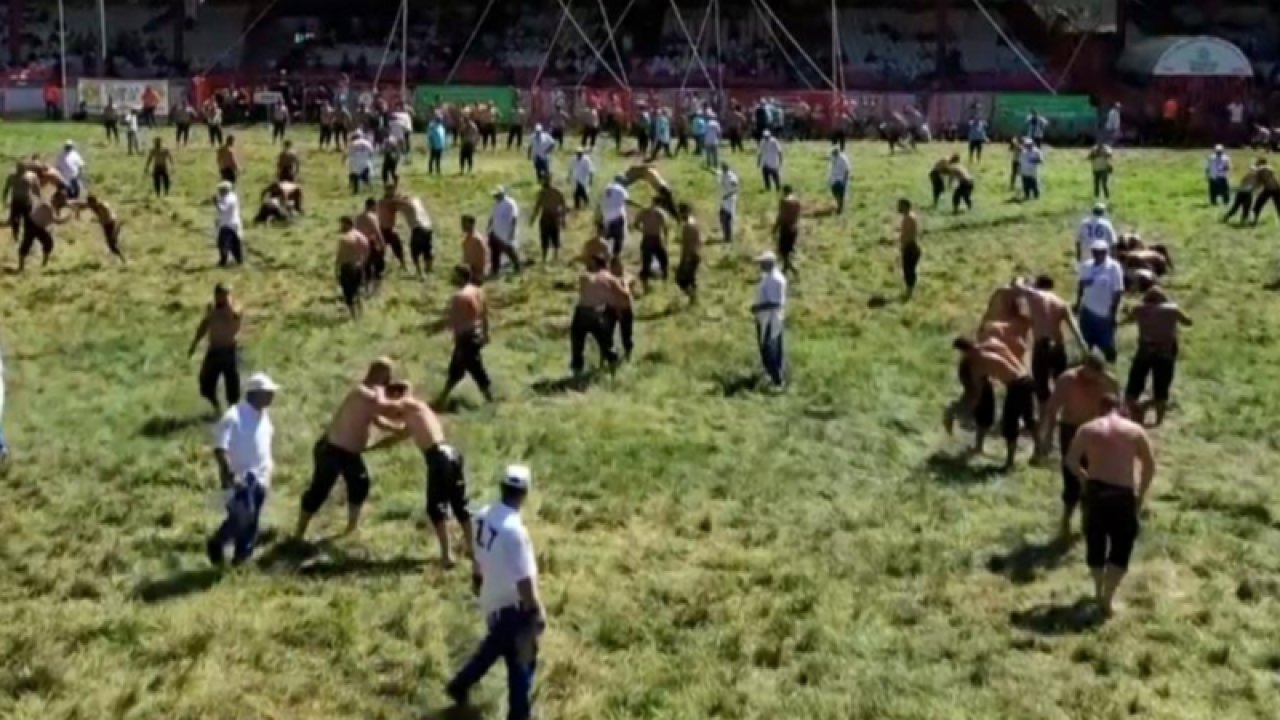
(1078, 617)
(959, 469)
(571, 383)
(1273, 286)
(178, 585)
(669, 311)
(162, 426)
(455, 712)
(1022, 564)
(324, 559)
(732, 384)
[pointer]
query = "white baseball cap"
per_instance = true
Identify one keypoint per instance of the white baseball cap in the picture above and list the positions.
(1099, 209)
(499, 191)
(224, 186)
(1099, 245)
(517, 477)
(767, 257)
(261, 382)
(1218, 148)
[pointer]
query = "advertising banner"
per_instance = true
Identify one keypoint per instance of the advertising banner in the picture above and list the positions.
(1069, 116)
(425, 97)
(126, 93)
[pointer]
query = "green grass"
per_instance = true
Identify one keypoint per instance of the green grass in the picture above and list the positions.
(705, 553)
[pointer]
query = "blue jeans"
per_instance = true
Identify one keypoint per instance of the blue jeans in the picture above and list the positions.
(1099, 332)
(541, 167)
(838, 192)
(712, 151)
(513, 638)
(726, 225)
(772, 354)
(241, 526)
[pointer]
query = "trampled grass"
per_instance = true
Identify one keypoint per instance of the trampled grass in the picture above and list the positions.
(707, 549)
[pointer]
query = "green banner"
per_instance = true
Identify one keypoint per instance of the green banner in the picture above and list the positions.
(1069, 116)
(426, 97)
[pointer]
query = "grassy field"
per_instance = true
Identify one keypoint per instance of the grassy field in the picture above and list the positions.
(707, 549)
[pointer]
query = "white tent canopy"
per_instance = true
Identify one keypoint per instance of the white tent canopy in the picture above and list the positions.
(1185, 56)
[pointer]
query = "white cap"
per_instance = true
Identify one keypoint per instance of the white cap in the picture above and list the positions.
(537, 128)
(499, 191)
(766, 133)
(261, 382)
(1218, 148)
(224, 186)
(71, 144)
(1099, 245)
(517, 477)
(1099, 208)
(767, 257)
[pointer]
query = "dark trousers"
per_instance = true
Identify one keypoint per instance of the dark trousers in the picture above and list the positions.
(1271, 196)
(624, 322)
(326, 135)
(937, 185)
(390, 170)
(589, 322)
(581, 198)
(910, 261)
(838, 190)
(32, 234)
(220, 363)
(244, 509)
(277, 131)
(515, 137)
(182, 135)
(1243, 204)
(499, 248)
(1219, 189)
(772, 180)
(467, 360)
(229, 247)
(467, 157)
(215, 135)
(513, 638)
(395, 243)
(726, 225)
(1030, 187)
(112, 129)
(160, 181)
(1102, 184)
(772, 352)
(433, 161)
(963, 194)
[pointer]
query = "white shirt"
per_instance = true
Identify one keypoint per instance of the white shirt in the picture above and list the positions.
(70, 164)
(729, 192)
(711, 133)
(1095, 228)
(1218, 166)
(772, 290)
(771, 154)
(1113, 120)
(360, 156)
(245, 434)
(506, 214)
(1236, 111)
(504, 556)
(131, 122)
(228, 207)
(840, 169)
(613, 206)
(583, 170)
(1101, 283)
(542, 144)
(1029, 162)
(403, 121)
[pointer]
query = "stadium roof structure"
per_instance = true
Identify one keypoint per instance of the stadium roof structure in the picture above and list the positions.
(1185, 56)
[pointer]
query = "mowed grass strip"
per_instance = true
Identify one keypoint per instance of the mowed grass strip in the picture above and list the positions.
(707, 549)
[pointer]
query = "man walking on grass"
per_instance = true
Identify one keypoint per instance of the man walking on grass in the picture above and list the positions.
(769, 310)
(1103, 454)
(242, 449)
(506, 579)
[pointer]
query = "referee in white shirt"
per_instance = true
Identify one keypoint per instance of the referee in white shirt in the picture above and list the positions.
(242, 448)
(1218, 170)
(507, 579)
(229, 226)
(769, 311)
(838, 177)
